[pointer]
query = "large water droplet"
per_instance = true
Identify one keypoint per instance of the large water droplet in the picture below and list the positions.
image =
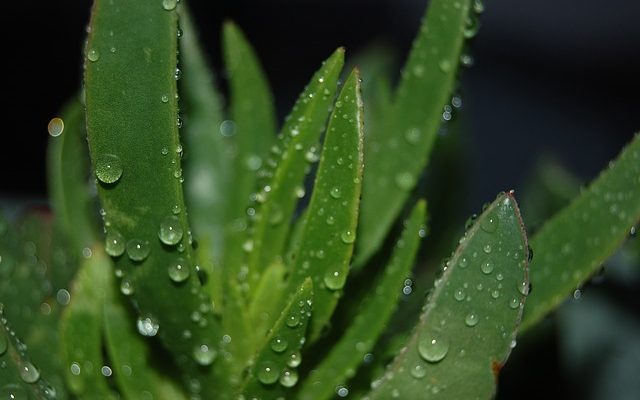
(279, 344)
(471, 319)
(93, 55)
(348, 236)
(108, 168)
(29, 373)
(334, 280)
(171, 231)
(294, 359)
(169, 4)
(114, 243)
(433, 347)
(147, 326)
(204, 354)
(268, 373)
(289, 378)
(55, 127)
(179, 271)
(523, 288)
(137, 249)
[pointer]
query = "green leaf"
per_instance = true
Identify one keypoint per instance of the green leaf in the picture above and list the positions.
(19, 377)
(330, 228)
(572, 245)
(372, 317)
(398, 157)
(130, 70)
(294, 152)
(130, 356)
(466, 330)
(207, 159)
(274, 371)
(252, 126)
(266, 299)
(81, 329)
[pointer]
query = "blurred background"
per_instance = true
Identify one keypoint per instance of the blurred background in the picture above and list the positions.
(551, 98)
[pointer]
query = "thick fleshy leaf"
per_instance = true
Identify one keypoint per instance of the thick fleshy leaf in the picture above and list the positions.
(330, 228)
(467, 327)
(397, 157)
(273, 372)
(284, 183)
(266, 299)
(574, 243)
(132, 124)
(372, 317)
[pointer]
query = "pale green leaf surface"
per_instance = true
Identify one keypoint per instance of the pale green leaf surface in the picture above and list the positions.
(266, 299)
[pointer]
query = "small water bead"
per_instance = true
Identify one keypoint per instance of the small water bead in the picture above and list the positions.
(499, 276)
(147, 326)
(433, 347)
(348, 236)
(169, 4)
(418, 371)
(108, 168)
(489, 224)
(342, 391)
(471, 26)
(293, 320)
(487, 248)
(459, 295)
(335, 192)
(289, 378)
(55, 127)
(204, 354)
(279, 344)
(330, 220)
(514, 303)
(404, 180)
(127, 287)
(93, 55)
(114, 243)
(268, 373)
(165, 98)
(138, 250)
(75, 369)
(29, 373)
(3, 344)
(487, 267)
(106, 371)
(471, 319)
(495, 294)
(523, 288)
(179, 271)
(13, 392)
(463, 262)
(334, 280)
(171, 231)
(478, 6)
(63, 297)
(444, 65)
(294, 359)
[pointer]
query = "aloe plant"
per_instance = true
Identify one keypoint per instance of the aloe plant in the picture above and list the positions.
(204, 252)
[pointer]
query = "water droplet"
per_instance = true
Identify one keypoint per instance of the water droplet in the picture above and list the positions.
(289, 378)
(165, 98)
(495, 294)
(487, 248)
(523, 288)
(342, 391)
(478, 6)
(334, 280)
(137, 249)
(127, 287)
(63, 297)
(75, 369)
(418, 371)
(463, 262)
(404, 180)
(413, 135)
(108, 168)
(204, 354)
(268, 373)
(489, 224)
(114, 243)
(471, 319)
(330, 220)
(55, 127)
(459, 295)
(335, 192)
(13, 392)
(106, 371)
(169, 4)
(445, 65)
(279, 344)
(177, 74)
(3, 344)
(348, 236)
(171, 231)
(294, 359)
(93, 55)
(514, 303)
(227, 128)
(471, 26)
(487, 267)
(29, 373)
(293, 320)
(147, 326)
(433, 347)
(179, 271)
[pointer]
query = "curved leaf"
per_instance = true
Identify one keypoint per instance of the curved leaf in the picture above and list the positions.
(470, 320)
(574, 243)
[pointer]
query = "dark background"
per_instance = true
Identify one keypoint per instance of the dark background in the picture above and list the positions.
(555, 77)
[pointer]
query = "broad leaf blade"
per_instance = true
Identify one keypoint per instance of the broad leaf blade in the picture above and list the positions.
(465, 332)
(573, 244)
(372, 317)
(135, 149)
(284, 184)
(274, 370)
(397, 158)
(329, 230)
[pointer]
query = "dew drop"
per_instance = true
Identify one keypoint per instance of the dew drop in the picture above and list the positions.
(268, 373)
(489, 224)
(404, 180)
(487, 267)
(169, 4)
(418, 371)
(342, 391)
(93, 55)
(147, 326)
(514, 303)
(289, 378)
(63, 297)
(459, 295)
(279, 344)
(171, 231)
(179, 271)
(13, 392)
(445, 65)
(55, 127)
(204, 354)
(227, 128)
(433, 347)
(294, 359)
(334, 280)
(335, 192)
(293, 320)
(127, 287)
(29, 373)
(114, 243)
(523, 288)
(108, 168)
(471, 319)
(137, 249)
(348, 236)
(3, 344)
(413, 135)
(165, 98)
(487, 248)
